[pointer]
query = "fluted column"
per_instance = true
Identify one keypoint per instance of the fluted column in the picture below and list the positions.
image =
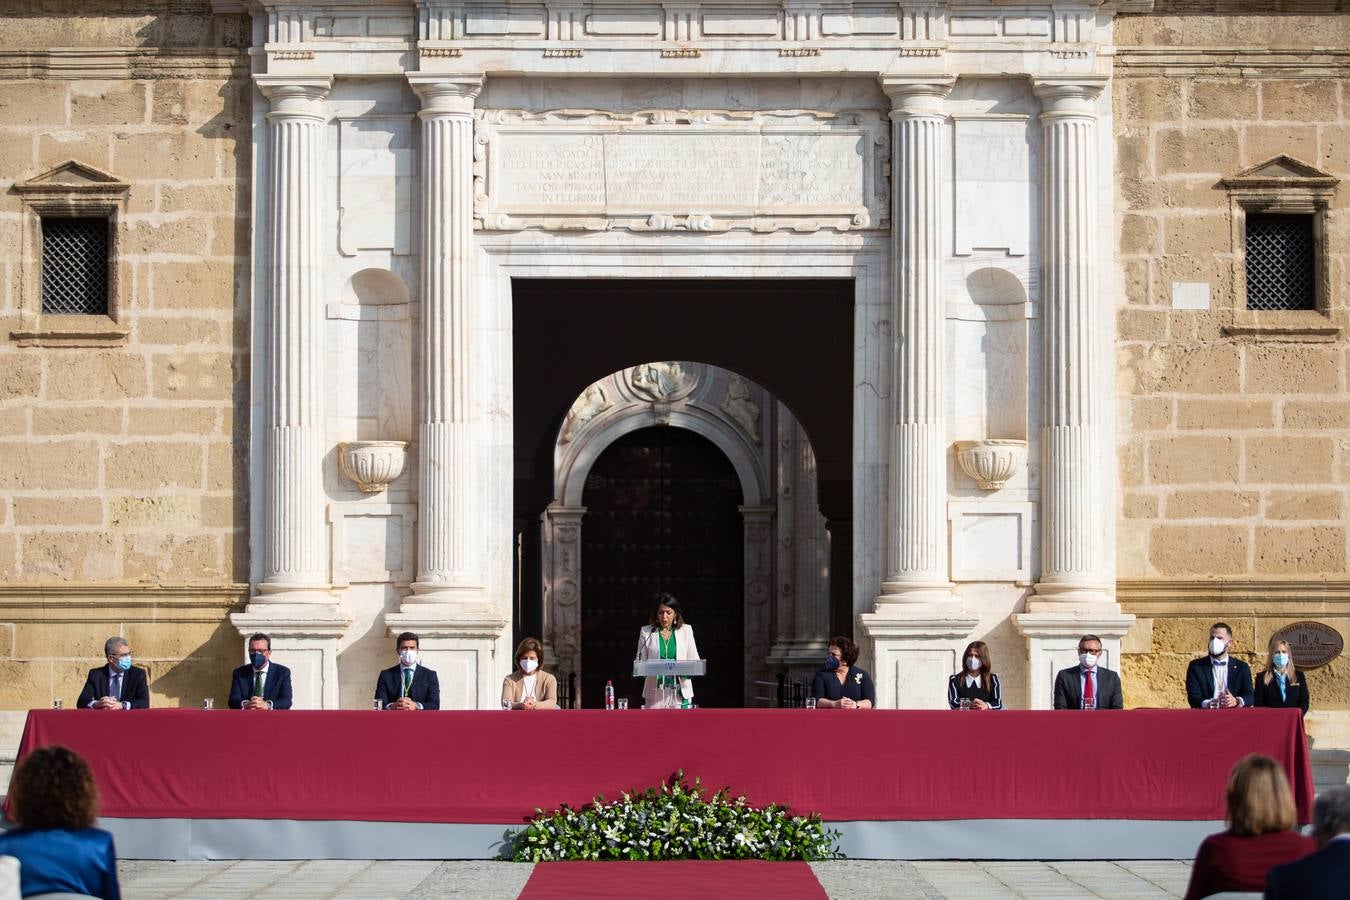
(1075, 567)
(448, 564)
(916, 543)
(295, 546)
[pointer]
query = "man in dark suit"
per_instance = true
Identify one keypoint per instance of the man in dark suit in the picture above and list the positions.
(1218, 679)
(1325, 875)
(408, 685)
(1087, 681)
(260, 683)
(119, 684)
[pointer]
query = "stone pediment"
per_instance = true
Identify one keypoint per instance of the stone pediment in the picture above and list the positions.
(72, 177)
(1284, 171)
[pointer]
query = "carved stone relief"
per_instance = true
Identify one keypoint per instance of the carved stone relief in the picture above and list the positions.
(742, 407)
(662, 382)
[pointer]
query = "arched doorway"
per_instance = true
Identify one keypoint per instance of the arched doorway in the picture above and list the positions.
(662, 514)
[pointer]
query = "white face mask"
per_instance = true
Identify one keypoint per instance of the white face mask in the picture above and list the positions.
(529, 665)
(973, 663)
(1088, 660)
(1217, 646)
(408, 657)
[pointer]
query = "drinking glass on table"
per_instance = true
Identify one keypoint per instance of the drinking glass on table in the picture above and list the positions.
(964, 703)
(379, 704)
(58, 703)
(810, 702)
(506, 704)
(209, 703)
(623, 702)
(1089, 703)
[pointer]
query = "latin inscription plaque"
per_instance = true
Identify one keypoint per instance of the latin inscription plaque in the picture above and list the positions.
(660, 176)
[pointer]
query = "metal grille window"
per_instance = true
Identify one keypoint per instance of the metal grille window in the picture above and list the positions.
(1281, 262)
(75, 266)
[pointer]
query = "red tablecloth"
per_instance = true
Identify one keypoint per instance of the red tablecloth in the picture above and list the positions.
(496, 767)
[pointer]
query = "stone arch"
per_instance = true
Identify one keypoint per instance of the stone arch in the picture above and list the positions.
(616, 411)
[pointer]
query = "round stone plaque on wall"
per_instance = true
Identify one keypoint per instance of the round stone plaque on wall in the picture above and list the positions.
(1312, 644)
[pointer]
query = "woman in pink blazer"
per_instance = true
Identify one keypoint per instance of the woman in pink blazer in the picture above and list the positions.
(667, 637)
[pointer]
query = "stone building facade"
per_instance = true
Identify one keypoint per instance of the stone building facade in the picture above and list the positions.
(321, 213)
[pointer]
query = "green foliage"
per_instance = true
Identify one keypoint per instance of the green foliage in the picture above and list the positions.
(673, 821)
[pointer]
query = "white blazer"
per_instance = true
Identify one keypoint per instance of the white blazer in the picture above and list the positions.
(649, 647)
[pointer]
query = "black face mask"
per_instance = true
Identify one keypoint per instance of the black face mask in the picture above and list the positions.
(831, 662)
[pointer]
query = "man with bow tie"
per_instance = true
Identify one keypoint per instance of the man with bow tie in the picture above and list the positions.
(1218, 680)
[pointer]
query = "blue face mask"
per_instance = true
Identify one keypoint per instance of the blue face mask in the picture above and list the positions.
(124, 662)
(831, 662)
(1281, 659)
(258, 660)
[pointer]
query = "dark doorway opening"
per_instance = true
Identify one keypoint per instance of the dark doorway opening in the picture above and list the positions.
(662, 516)
(792, 336)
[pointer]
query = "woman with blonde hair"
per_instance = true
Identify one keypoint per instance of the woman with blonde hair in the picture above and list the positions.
(1260, 835)
(529, 686)
(1280, 685)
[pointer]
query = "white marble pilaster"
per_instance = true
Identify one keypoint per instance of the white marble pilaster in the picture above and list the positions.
(562, 588)
(757, 550)
(448, 555)
(916, 540)
(460, 627)
(293, 602)
(802, 614)
(295, 546)
(1075, 593)
(1075, 563)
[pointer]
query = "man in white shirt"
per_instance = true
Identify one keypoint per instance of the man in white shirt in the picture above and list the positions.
(1219, 681)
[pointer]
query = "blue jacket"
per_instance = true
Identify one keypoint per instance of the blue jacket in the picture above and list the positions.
(1322, 876)
(56, 861)
(276, 687)
(426, 687)
(1200, 681)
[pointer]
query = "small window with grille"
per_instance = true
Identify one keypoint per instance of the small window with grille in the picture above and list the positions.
(75, 265)
(1281, 262)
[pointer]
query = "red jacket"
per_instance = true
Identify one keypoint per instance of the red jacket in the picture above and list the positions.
(1227, 862)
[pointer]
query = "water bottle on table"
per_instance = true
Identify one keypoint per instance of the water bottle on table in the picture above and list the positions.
(609, 695)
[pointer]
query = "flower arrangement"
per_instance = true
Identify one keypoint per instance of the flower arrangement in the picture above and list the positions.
(673, 821)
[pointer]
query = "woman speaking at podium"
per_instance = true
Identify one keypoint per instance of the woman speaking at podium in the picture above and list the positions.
(667, 637)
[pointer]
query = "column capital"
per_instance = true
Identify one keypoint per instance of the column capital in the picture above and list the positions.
(1069, 95)
(917, 95)
(445, 94)
(295, 96)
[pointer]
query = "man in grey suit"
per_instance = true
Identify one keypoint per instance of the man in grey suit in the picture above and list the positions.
(1087, 685)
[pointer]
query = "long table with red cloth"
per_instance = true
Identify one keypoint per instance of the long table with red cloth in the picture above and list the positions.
(496, 767)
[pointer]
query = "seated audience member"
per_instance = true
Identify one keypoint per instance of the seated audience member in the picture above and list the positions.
(260, 683)
(1088, 685)
(119, 684)
(977, 683)
(1218, 679)
(1280, 684)
(529, 686)
(1325, 875)
(408, 685)
(53, 798)
(1261, 819)
(841, 684)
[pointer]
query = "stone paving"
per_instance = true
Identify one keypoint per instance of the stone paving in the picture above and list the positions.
(843, 880)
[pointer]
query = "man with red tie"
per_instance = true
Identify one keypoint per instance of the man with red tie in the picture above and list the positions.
(1087, 685)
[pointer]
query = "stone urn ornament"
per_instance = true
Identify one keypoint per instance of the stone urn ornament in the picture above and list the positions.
(372, 465)
(991, 462)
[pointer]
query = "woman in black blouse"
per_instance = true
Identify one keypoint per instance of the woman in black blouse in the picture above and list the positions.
(976, 682)
(841, 684)
(1280, 684)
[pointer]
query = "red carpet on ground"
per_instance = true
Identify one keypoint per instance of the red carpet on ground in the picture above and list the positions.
(747, 878)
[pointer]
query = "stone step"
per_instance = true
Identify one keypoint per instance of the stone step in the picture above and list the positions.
(1330, 768)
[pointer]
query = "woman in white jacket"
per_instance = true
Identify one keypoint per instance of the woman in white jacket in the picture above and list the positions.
(667, 637)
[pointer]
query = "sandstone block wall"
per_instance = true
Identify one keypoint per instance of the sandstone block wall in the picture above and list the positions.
(122, 464)
(1234, 451)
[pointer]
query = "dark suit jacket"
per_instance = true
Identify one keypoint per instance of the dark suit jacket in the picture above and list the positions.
(1323, 876)
(1200, 681)
(135, 687)
(426, 687)
(276, 686)
(1069, 693)
(1295, 695)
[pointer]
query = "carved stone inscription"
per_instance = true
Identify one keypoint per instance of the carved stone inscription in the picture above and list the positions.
(706, 178)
